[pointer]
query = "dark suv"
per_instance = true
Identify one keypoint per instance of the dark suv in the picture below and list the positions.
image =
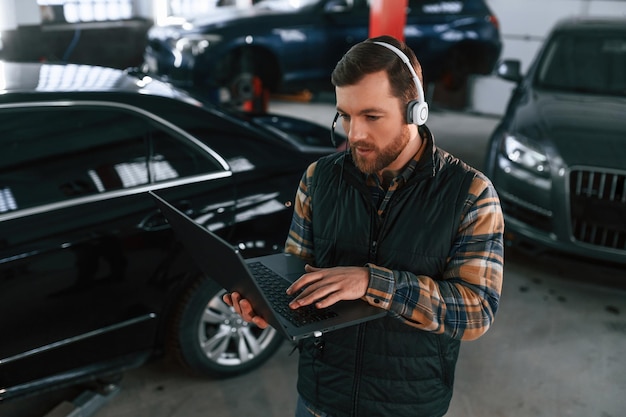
(284, 46)
(558, 156)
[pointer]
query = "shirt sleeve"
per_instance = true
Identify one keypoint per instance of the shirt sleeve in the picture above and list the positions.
(463, 303)
(300, 238)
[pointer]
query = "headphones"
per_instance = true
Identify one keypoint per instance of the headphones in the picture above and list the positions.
(416, 110)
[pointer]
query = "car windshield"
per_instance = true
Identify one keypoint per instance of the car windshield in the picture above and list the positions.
(593, 63)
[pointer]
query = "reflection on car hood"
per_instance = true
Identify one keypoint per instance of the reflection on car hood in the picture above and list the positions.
(223, 15)
(36, 77)
(585, 130)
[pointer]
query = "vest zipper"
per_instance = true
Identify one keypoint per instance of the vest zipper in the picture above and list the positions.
(358, 364)
(373, 249)
(361, 327)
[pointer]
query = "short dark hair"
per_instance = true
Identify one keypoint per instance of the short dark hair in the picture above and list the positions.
(367, 57)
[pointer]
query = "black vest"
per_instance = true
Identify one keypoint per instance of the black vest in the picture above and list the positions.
(384, 367)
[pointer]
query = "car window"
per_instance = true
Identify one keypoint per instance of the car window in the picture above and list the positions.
(55, 154)
(245, 152)
(592, 63)
(451, 7)
(235, 142)
(425, 6)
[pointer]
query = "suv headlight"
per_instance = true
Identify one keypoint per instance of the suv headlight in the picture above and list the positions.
(164, 33)
(526, 154)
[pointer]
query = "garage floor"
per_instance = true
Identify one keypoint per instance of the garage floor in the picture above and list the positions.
(556, 349)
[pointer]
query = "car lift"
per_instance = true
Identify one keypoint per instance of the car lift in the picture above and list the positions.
(388, 17)
(86, 403)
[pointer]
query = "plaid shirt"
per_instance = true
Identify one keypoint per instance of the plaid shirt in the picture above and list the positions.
(463, 303)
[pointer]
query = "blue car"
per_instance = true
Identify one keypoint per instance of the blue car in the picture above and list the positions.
(281, 46)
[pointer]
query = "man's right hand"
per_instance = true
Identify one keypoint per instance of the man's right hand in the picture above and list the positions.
(244, 309)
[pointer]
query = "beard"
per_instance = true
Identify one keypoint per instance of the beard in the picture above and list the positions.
(382, 158)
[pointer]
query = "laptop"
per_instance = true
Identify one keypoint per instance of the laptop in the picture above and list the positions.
(263, 281)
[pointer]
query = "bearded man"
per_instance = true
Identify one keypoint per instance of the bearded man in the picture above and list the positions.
(403, 225)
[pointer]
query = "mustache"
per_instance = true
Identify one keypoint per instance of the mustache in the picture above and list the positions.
(362, 144)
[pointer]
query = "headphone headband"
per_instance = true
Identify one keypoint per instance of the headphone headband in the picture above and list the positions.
(417, 110)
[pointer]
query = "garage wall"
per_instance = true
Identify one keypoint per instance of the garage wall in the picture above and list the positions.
(24, 38)
(524, 25)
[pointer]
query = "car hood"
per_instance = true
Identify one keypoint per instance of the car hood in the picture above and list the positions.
(222, 16)
(580, 129)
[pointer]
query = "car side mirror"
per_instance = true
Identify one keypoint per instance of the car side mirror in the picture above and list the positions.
(510, 70)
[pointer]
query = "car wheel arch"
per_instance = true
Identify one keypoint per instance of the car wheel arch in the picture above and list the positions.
(203, 334)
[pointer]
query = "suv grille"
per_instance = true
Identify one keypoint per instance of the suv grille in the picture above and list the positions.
(598, 208)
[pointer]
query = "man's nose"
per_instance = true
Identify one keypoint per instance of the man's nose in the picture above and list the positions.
(357, 130)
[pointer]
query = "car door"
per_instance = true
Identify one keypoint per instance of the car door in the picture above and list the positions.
(425, 24)
(442, 34)
(86, 261)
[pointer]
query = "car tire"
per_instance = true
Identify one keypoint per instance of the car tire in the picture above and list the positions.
(248, 75)
(209, 338)
(249, 93)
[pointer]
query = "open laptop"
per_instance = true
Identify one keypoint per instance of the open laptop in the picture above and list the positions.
(263, 281)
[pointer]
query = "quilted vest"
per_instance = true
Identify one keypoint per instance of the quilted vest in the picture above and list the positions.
(384, 367)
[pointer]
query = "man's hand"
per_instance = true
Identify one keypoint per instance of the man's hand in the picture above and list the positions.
(325, 286)
(244, 309)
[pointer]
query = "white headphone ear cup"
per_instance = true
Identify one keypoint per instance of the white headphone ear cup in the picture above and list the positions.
(417, 112)
(421, 113)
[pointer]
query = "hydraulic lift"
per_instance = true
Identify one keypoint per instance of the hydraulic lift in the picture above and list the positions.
(387, 17)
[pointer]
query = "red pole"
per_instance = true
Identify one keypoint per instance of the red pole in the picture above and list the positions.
(388, 17)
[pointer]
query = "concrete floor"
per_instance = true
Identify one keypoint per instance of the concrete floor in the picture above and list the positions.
(557, 348)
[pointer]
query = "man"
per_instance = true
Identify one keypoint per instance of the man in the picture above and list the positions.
(402, 225)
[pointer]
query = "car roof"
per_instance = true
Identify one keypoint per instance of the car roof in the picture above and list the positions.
(41, 78)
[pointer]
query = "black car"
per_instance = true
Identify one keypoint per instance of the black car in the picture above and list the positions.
(558, 157)
(285, 46)
(92, 281)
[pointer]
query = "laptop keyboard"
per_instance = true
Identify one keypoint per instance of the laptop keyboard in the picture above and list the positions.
(274, 287)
